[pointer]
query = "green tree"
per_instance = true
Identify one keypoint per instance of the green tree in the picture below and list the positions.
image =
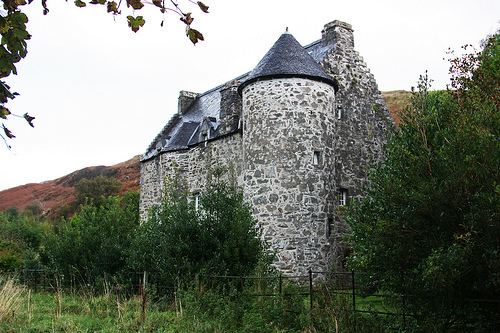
(21, 240)
(179, 241)
(96, 240)
(94, 190)
(429, 225)
(14, 41)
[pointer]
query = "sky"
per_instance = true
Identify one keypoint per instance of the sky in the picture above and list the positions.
(100, 93)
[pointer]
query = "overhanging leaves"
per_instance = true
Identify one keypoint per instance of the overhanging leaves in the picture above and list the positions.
(135, 23)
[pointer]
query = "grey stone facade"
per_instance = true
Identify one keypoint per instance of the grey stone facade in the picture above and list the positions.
(305, 125)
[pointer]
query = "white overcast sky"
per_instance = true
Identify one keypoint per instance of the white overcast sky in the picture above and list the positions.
(100, 93)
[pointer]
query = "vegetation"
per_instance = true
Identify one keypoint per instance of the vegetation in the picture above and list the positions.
(191, 310)
(94, 190)
(21, 240)
(181, 240)
(95, 241)
(429, 225)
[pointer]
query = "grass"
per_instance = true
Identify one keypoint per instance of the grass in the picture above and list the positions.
(207, 312)
(38, 312)
(10, 296)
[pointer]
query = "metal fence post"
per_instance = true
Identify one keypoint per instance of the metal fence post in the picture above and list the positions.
(310, 291)
(280, 281)
(353, 292)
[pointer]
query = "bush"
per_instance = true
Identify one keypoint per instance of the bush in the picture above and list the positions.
(95, 241)
(178, 241)
(21, 239)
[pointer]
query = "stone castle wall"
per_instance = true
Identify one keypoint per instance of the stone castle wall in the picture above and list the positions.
(360, 130)
(285, 121)
(193, 166)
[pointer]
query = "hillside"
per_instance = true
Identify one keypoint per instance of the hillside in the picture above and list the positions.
(53, 194)
(56, 193)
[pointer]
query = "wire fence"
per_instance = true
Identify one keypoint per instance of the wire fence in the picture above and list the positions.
(347, 288)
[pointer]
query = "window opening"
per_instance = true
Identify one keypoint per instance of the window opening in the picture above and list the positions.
(342, 197)
(316, 157)
(339, 112)
(197, 197)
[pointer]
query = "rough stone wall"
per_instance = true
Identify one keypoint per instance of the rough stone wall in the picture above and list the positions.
(360, 133)
(193, 166)
(285, 122)
(230, 108)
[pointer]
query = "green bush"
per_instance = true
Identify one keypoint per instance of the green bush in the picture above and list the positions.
(95, 241)
(178, 241)
(21, 239)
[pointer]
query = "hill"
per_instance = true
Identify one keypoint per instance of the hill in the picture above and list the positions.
(53, 194)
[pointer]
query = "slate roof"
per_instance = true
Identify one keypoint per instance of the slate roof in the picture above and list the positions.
(287, 58)
(173, 135)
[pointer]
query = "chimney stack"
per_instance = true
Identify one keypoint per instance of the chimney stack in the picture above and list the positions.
(186, 99)
(339, 32)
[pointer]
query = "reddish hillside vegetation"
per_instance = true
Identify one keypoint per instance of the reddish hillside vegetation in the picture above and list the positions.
(397, 101)
(53, 194)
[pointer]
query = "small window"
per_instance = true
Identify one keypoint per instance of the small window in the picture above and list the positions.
(197, 197)
(342, 197)
(316, 157)
(339, 112)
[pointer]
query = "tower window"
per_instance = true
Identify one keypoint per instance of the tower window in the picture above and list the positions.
(339, 112)
(342, 197)
(197, 197)
(316, 157)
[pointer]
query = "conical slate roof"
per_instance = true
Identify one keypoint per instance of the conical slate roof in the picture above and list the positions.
(287, 58)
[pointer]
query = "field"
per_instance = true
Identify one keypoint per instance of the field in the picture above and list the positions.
(189, 311)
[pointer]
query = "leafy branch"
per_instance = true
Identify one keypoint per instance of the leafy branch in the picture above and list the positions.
(13, 45)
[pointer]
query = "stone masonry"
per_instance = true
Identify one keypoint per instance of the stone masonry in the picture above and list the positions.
(298, 135)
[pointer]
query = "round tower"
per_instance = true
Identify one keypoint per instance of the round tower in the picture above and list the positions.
(288, 169)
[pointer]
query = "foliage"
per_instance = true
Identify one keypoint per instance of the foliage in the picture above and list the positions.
(96, 240)
(429, 224)
(13, 45)
(21, 239)
(95, 190)
(178, 241)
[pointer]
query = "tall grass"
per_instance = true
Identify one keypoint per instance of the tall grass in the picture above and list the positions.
(10, 299)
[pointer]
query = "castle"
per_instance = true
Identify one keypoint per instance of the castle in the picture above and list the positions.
(299, 132)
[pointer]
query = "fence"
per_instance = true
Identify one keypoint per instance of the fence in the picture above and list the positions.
(348, 287)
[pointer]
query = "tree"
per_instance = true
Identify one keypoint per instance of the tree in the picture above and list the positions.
(21, 239)
(96, 240)
(429, 225)
(180, 240)
(13, 45)
(94, 190)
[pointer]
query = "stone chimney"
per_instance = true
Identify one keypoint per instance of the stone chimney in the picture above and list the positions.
(186, 99)
(340, 33)
(230, 107)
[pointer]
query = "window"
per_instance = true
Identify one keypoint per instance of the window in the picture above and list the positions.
(316, 157)
(197, 197)
(342, 197)
(339, 112)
